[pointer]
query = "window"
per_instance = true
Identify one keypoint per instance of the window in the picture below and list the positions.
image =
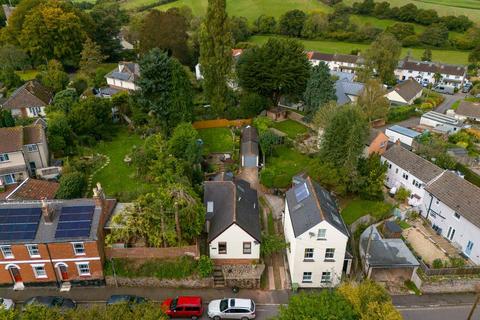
(416, 183)
(308, 254)
(32, 147)
(83, 268)
(4, 157)
(33, 250)
(322, 234)
(329, 254)
(35, 110)
(78, 248)
(39, 271)
(8, 178)
(396, 170)
(307, 277)
(326, 277)
(7, 252)
(222, 248)
(405, 176)
(247, 248)
(456, 215)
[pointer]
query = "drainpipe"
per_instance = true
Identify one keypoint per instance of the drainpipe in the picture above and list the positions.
(53, 267)
(429, 205)
(40, 154)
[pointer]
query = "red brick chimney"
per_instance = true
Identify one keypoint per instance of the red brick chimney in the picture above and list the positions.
(47, 212)
(99, 196)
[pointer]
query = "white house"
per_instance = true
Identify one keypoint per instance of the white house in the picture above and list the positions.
(236, 53)
(316, 234)
(441, 123)
(405, 135)
(29, 100)
(405, 93)
(424, 72)
(336, 62)
(124, 76)
(410, 171)
(452, 204)
(232, 221)
(467, 110)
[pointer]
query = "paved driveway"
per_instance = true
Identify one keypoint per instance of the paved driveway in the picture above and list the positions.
(449, 100)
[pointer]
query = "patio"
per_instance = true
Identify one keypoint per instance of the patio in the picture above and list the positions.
(428, 244)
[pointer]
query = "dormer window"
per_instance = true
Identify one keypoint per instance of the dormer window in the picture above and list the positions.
(32, 147)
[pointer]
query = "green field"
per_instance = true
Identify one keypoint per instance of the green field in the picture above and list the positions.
(446, 56)
(470, 8)
(216, 140)
(290, 127)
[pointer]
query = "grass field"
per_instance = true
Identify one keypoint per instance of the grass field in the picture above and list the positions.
(290, 127)
(216, 140)
(358, 208)
(446, 56)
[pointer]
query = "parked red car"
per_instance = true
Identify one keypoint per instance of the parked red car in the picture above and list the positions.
(183, 307)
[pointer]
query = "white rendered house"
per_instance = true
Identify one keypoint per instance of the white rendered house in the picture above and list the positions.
(316, 235)
(124, 76)
(405, 135)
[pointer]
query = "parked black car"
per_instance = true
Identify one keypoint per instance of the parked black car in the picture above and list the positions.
(129, 299)
(52, 301)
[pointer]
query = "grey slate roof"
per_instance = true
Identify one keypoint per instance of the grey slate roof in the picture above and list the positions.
(432, 67)
(126, 71)
(342, 75)
(459, 194)
(404, 131)
(249, 141)
(388, 253)
(412, 163)
(318, 206)
(408, 89)
(234, 202)
(345, 88)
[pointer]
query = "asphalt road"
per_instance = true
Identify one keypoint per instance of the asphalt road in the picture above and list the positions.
(449, 100)
(440, 313)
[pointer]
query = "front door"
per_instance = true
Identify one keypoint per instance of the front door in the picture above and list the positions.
(468, 249)
(33, 167)
(63, 272)
(17, 278)
(450, 233)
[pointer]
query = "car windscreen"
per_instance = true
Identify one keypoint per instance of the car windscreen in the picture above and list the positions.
(223, 305)
(252, 307)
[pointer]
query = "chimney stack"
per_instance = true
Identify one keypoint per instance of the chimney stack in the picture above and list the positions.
(47, 211)
(98, 195)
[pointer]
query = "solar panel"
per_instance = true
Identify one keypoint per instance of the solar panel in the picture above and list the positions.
(301, 192)
(19, 223)
(75, 222)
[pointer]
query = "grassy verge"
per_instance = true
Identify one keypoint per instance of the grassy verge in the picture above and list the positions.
(158, 268)
(216, 140)
(358, 208)
(290, 127)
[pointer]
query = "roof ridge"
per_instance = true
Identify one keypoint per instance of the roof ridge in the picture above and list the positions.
(322, 215)
(234, 202)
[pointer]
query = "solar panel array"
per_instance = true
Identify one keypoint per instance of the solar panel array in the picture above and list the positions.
(301, 192)
(19, 223)
(75, 222)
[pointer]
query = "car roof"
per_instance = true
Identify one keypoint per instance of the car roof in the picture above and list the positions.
(242, 303)
(120, 297)
(189, 300)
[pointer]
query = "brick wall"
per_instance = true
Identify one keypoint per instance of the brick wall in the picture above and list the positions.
(146, 253)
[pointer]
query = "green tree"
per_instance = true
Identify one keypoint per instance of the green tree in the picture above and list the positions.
(240, 29)
(279, 67)
(265, 24)
(427, 55)
(60, 134)
(10, 79)
(315, 24)
(272, 243)
(401, 30)
(262, 123)
(216, 54)
(53, 30)
(64, 100)
(52, 76)
(435, 35)
(320, 90)
(324, 305)
(165, 89)
(183, 144)
(91, 58)
(13, 57)
(72, 185)
(291, 23)
(6, 119)
(324, 114)
(370, 179)
(167, 31)
(267, 140)
(474, 56)
(91, 118)
(382, 56)
(372, 101)
(344, 138)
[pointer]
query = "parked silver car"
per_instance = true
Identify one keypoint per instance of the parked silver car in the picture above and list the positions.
(231, 308)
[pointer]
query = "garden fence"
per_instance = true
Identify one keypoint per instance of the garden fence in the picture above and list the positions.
(448, 271)
(221, 123)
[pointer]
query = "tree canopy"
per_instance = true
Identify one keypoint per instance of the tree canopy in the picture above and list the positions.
(320, 89)
(372, 100)
(279, 67)
(382, 56)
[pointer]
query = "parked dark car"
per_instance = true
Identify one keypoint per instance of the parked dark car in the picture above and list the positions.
(125, 298)
(52, 301)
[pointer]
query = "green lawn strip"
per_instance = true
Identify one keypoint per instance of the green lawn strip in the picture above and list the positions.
(446, 56)
(118, 179)
(358, 208)
(282, 166)
(158, 268)
(216, 140)
(290, 127)
(403, 224)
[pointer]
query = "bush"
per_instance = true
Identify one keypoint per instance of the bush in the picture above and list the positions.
(179, 268)
(205, 266)
(437, 263)
(402, 194)
(272, 243)
(426, 106)
(396, 114)
(72, 185)
(457, 262)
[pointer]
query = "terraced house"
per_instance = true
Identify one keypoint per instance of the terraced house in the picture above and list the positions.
(336, 62)
(52, 242)
(23, 150)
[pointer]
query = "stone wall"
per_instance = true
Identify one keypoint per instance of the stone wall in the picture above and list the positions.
(450, 285)
(154, 282)
(245, 276)
(152, 253)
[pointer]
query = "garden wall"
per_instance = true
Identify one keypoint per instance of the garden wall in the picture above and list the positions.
(448, 271)
(220, 123)
(154, 282)
(450, 285)
(148, 253)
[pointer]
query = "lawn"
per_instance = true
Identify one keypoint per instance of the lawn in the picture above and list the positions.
(117, 178)
(358, 208)
(446, 56)
(282, 166)
(216, 140)
(290, 127)
(27, 75)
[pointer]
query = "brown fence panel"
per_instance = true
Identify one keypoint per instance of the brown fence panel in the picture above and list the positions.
(221, 123)
(149, 253)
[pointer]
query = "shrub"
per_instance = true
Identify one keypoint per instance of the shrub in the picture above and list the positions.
(437, 263)
(401, 113)
(402, 194)
(205, 266)
(179, 268)
(272, 243)
(457, 262)
(72, 185)
(426, 106)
